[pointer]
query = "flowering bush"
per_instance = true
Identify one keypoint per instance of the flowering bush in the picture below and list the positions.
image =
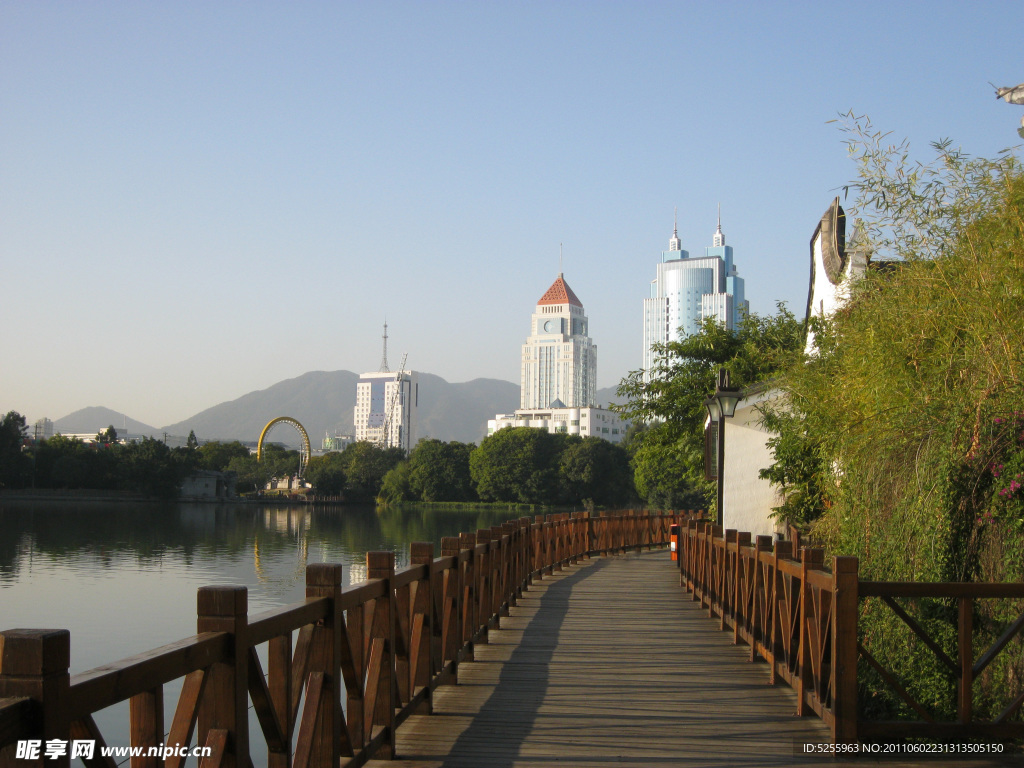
(1007, 471)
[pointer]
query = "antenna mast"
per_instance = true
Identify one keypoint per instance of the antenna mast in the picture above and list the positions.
(384, 357)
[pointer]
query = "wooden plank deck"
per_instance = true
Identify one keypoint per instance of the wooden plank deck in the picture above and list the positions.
(610, 662)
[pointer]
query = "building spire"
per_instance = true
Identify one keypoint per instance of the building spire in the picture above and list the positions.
(719, 237)
(384, 357)
(674, 244)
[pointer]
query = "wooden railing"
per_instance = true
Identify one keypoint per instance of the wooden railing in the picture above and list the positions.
(802, 618)
(361, 661)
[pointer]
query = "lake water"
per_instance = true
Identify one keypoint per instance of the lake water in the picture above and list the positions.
(123, 577)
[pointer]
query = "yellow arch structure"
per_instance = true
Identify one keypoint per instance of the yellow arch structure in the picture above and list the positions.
(304, 452)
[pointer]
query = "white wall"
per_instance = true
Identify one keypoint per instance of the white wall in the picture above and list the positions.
(747, 499)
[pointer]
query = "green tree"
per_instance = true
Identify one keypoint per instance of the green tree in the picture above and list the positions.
(278, 461)
(596, 472)
(903, 436)
(192, 443)
(250, 474)
(327, 473)
(216, 455)
(107, 436)
(911, 399)
(15, 468)
(365, 467)
(67, 462)
(396, 486)
(519, 464)
(439, 471)
(669, 456)
(148, 467)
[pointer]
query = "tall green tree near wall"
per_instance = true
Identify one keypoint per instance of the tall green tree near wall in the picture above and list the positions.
(913, 393)
(668, 457)
(912, 411)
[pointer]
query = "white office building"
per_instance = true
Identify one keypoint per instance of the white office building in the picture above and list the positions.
(688, 289)
(386, 409)
(559, 362)
(559, 373)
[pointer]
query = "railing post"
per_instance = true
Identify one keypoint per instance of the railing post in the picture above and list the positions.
(809, 559)
(728, 598)
(526, 548)
(279, 683)
(468, 582)
(554, 527)
(34, 663)
(485, 578)
(324, 666)
(586, 534)
(505, 594)
(739, 609)
(146, 725)
(421, 634)
(715, 568)
(783, 550)
(762, 597)
(225, 703)
(511, 590)
(845, 582)
(451, 607)
(381, 565)
(965, 646)
(548, 546)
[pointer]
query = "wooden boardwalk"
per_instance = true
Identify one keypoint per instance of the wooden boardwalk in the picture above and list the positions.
(610, 662)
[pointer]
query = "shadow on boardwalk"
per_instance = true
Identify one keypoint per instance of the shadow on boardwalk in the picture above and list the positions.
(609, 662)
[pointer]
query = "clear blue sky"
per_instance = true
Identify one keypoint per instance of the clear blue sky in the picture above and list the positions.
(200, 199)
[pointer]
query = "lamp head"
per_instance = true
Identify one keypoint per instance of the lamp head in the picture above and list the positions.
(726, 397)
(714, 409)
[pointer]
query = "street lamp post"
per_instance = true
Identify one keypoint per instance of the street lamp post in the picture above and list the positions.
(721, 406)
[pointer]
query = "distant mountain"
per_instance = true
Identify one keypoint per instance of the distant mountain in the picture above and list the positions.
(94, 419)
(460, 411)
(322, 402)
(607, 396)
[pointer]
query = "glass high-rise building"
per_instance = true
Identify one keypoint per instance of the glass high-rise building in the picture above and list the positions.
(689, 289)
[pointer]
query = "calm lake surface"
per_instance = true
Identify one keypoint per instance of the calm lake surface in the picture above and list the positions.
(123, 577)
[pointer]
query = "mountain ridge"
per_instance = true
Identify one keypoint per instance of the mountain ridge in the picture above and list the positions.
(323, 401)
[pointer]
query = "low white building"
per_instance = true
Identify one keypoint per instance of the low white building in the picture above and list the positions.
(585, 422)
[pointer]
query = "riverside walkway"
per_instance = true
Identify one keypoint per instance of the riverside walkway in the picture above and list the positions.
(563, 640)
(608, 662)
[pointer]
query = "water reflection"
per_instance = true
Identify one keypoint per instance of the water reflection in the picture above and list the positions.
(123, 577)
(92, 568)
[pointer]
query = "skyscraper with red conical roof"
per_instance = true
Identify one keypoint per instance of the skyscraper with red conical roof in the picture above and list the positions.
(559, 365)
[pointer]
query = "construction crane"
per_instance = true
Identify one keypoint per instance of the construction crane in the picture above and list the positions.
(390, 413)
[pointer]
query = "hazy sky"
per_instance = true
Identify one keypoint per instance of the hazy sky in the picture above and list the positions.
(198, 199)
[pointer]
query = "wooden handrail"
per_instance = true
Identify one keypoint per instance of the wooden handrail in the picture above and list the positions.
(105, 686)
(384, 645)
(802, 618)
